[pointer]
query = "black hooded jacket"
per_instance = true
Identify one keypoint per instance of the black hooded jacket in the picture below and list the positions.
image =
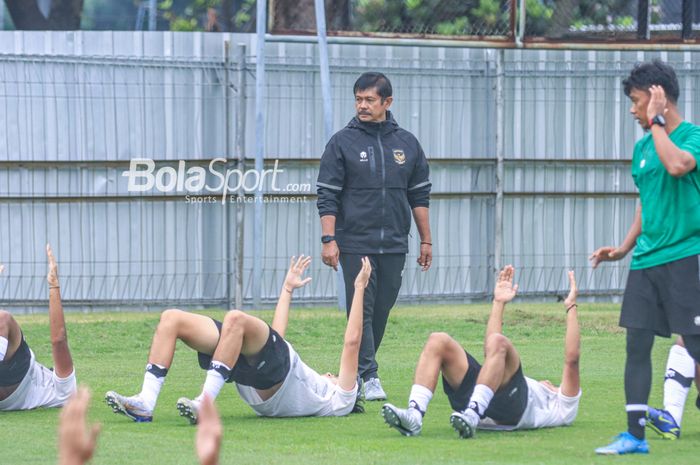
(371, 176)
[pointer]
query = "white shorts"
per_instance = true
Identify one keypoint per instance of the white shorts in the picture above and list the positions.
(545, 409)
(40, 387)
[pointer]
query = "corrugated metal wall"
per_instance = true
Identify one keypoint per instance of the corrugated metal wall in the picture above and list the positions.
(76, 107)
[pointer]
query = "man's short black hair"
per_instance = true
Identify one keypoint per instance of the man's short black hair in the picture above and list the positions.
(373, 80)
(645, 75)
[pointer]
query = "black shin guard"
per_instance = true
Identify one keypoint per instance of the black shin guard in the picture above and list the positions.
(156, 371)
(222, 369)
(638, 378)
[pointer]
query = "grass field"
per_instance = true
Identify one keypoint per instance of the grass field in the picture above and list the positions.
(110, 352)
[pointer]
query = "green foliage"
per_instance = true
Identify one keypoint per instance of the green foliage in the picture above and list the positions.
(191, 15)
(577, 14)
(110, 351)
(538, 16)
(444, 17)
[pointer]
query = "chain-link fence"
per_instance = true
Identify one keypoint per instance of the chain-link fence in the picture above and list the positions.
(71, 121)
(501, 21)
(612, 20)
(452, 18)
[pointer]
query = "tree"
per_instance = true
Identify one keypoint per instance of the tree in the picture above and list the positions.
(443, 17)
(63, 14)
(209, 15)
(300, 15)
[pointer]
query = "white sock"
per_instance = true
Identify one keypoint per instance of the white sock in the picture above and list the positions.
(3, 347)
(481, 398)
(151, 389)
(679, 363)
(214, 382)
(420, 396)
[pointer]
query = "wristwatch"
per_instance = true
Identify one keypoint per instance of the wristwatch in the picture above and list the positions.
(658, 119)
(327, 239)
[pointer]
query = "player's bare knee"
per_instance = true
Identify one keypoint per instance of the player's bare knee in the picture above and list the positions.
(437, 342)
(5, 321)
(169, 319)
(496, 343)
(233, 321)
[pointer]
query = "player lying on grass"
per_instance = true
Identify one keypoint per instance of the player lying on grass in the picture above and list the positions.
(24, 383)
(681, 369)
(496, 395)
(267, 371)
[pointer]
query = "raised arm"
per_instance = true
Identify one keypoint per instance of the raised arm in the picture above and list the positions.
(59, 337)
(677, 161)
(503, 293)
(209, 433)
(76, 439)
(292, 281)
(609, 253)
(570, 379)
(347, 376)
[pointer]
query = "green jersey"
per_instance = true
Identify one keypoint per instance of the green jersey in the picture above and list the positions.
(670, 206)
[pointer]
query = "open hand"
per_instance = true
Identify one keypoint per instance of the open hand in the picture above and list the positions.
(573, 290)
(606, 254)
(76, 440)
(52, 276)
(657, 102)
(505, 290)
(209, 432)
(364, 274)
(297, 266)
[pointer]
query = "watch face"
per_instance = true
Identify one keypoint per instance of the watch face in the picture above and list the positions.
(659, 119)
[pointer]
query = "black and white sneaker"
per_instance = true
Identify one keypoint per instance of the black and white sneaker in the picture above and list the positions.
(463, 424)
(188, 409)
(408, 422)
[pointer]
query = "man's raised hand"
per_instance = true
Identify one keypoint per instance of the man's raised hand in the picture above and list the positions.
(297, 266)
(573, 290)
(364, 274)
(52, 276)
(76, 439)
(209, 432)
(505, 290)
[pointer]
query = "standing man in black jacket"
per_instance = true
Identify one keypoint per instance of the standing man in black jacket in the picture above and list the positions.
(373, 174)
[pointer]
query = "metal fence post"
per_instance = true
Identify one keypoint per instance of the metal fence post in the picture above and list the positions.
(324, 68)
(643, 20)
(500, 155)
(687, 20)
(239, 147)
(152, 12)
(259, 150)
(227, 135)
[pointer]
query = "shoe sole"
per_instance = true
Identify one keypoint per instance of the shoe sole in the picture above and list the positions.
(623, 453)
(463, 428)
(372, 399)
(118, 407)
(187, 412)
(393, 420)
(664, 434)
